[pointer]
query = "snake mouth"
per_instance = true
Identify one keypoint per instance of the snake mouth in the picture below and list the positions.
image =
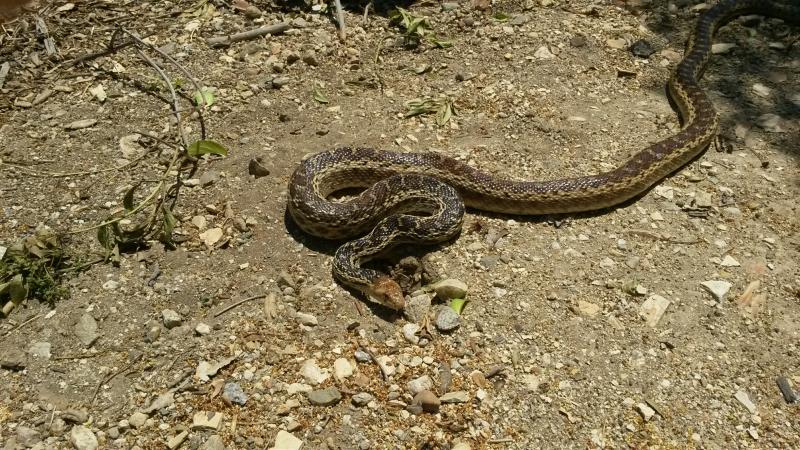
(387, 292)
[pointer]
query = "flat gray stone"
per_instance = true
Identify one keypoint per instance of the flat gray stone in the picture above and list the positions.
(214, 442)
(28, 437)
(455, 397)
(40, 350)
(137, 419)
(233, 393)
(447, 319)
(171, 319)
(207, 420)
(82, 438)
(417, 385)
(325, 397)
(717, 288)
(450, 288)
(361, 399)
(286, 441)
(86, 330)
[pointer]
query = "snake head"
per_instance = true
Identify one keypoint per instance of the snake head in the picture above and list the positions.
(387, 292)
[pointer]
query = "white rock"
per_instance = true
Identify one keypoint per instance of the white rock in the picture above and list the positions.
(206, 420)
(587, 308)
(729, 261)
(202, 329)
(455, 397)
(82, 438)
(722, 48)
(617, 43)
(761, 90)
(99, 93)
(543, 53)
(717, 288)
(342, 368)
(171, 318)
(129, 146)
(450, 288)
(40, 350)
(653, 308)
(387, 363)
(211, 236)
(177, 440)
(607, 263)
(532, 382)
(744, 399)
(410, 332)
(646, 411)
(137, 419)
(312, 373)
(307, 319)
(771, 122)
(417, 385)
(200, 222)
(286, 441)
(295, 388)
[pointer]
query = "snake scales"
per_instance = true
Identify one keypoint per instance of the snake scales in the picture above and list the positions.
(419, 198)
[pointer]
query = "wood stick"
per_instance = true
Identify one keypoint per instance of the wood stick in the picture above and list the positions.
(224, 41)
(340, 19)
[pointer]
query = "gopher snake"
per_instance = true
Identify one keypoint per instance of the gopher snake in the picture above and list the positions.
(434, 185)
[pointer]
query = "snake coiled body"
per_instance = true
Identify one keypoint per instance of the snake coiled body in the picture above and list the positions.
(400, 186)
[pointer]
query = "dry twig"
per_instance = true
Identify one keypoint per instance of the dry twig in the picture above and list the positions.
(228, 308)
(224, 41)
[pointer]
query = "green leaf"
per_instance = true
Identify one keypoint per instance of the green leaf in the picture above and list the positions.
(444, 114)
(113, 256)
(501, 16)
(169, 223)
(204, 147)
(441, 43)
(127, 200)
(204, 97)
(424, 68)
(105, 236)
(15, 289)
(457, 304)
(319, 97)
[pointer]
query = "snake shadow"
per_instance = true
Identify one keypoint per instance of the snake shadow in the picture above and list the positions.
(732, 76)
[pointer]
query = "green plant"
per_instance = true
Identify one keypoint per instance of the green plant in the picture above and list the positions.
(416, 29)
(443, 108)
(33, 268)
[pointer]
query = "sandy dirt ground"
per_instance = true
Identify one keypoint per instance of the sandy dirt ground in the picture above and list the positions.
(664, 323)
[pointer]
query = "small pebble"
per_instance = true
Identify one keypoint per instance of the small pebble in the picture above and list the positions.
(410, 331)
(361, 399)
(717, 288)
(447, 319)
(233, 393)
(428, 401)
(202, 329)
(171, 319)
(645, 411)
(325, 397)
(82, 438)
(642, 49)
(450, 288)
(420, 384)
(455, 397)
